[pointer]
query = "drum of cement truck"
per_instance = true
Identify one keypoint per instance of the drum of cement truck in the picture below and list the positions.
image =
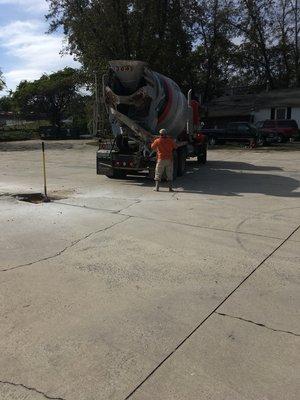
(151, 100)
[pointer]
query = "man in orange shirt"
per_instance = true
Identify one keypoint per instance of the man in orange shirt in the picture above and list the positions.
(164, 146)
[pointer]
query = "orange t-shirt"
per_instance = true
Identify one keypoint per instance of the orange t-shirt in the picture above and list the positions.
(164, 148)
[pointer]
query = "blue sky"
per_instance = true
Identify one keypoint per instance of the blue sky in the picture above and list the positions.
(26, 51)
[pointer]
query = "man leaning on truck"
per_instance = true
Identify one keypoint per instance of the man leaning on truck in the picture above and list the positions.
(164, 146)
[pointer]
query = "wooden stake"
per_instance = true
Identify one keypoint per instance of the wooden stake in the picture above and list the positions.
(44, 172)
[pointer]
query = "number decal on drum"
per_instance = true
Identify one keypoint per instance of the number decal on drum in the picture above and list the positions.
(123, 68)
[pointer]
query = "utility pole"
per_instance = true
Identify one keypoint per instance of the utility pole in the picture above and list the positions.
(296, 45)
(96, 107)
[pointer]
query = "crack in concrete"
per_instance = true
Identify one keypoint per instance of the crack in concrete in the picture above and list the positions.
(74, 243)
(139, 201)
(200, 226)
(257, 323)
(130, 205)
(196, 328)
(119, 212)
(98, 209)
(32, 389)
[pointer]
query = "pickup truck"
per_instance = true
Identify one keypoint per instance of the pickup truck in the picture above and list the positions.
(240, 132)
(285, 128)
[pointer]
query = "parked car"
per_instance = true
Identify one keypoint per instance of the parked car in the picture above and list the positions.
(285, 128)
(213, 136)
(267, 137)
(240, 132)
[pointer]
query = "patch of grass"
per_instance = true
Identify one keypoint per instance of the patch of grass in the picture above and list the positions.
(15, 135)
(24, 127)
(27, 131)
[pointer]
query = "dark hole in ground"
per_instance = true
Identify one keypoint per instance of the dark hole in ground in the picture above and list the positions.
(34, 198)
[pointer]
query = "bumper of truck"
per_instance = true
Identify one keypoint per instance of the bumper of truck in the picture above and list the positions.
(108, 162)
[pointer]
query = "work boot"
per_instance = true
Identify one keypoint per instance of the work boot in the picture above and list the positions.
(170, 187)
(156, 188)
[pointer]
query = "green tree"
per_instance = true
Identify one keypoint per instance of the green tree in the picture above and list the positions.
(155, 31)
(6, 103)
(286, 30)
(203, 44)
(212, 55)
(52, 94)
(254, 25)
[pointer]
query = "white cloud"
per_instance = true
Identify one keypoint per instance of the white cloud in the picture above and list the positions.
(17, 75)
(37, 6)
(34, 51)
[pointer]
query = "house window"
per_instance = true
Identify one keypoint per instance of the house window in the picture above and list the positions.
(280, 113)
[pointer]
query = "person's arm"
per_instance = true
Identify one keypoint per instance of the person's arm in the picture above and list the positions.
(174, 145)
(154, 145)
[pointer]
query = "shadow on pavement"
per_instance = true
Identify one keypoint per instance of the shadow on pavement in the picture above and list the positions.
(224, 178)
(242, 166)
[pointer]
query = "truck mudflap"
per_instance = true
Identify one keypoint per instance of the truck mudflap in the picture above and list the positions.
(104, 168)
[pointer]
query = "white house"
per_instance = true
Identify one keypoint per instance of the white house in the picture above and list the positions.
(278, 104)
(273, 104)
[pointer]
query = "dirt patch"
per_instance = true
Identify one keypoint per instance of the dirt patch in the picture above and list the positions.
(35, 198)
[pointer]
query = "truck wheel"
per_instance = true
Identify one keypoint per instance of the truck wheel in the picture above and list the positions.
(202, 157)
(181, 154)
(261, 142)
(212, 141)
(281, 139)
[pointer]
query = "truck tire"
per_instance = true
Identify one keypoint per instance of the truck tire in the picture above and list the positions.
(202, 157)
(212, 141)
(281, 139)
(181, 161)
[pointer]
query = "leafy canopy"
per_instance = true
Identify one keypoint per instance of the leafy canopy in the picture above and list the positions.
(203, 44)
(51, 94)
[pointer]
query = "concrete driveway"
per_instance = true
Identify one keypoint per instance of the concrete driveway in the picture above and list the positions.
(112, 291)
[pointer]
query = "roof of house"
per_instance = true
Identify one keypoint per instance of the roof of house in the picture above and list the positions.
(234, 105)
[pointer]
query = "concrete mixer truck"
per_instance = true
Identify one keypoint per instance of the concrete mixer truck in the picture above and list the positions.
(139, 102)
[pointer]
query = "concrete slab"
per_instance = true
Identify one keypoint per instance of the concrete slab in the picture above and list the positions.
(271, 295)
(11, 391)
(37, 231)
(228, 359)
(296, 236)
(251, 354)
(111, 308)
(120, 275)
(247, 215)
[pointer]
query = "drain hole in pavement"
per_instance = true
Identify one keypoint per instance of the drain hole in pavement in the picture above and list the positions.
(34, 198)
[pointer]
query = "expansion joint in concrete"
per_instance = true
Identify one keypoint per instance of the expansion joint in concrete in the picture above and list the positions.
(214, 311)
(258, 324)
(46, 396)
